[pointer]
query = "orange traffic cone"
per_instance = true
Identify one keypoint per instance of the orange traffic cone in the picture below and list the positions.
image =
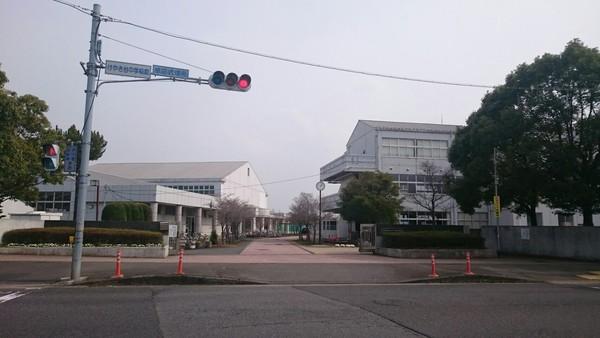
(118, 273)
(180, 263)
(468, 272)
(433, 272)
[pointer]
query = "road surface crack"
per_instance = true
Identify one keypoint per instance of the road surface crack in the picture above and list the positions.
(153, 294)
(408, 328)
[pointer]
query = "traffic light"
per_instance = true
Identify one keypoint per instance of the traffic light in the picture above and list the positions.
(230, 82)
(51, 159)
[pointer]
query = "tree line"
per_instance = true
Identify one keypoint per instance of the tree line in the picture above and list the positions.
(544, 123)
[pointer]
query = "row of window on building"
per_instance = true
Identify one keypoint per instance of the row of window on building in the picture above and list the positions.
(414, 148)
(330, 225)
(475, 220)
(53, 201)
(199, 189)
(420, 183)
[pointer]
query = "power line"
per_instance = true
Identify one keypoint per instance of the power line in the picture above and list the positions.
(74, 6)
(154, 53)
(277, 182)
(279, 58)
(300, 62)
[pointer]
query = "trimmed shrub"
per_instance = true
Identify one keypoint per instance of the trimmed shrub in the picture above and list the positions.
(95, 236)
(126, 211)
(431, 240)
(214, 239)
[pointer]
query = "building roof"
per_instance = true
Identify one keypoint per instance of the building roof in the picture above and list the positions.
(106, 179)
(391, 125)
(169, 170)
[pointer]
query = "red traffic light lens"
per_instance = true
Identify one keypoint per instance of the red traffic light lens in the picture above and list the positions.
(49, 150)
(231, 79)
(244, 82)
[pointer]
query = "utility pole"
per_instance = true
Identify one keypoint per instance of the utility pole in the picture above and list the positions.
(92, 73)
(496, 203)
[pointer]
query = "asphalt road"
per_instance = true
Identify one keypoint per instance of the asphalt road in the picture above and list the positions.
(475, 310)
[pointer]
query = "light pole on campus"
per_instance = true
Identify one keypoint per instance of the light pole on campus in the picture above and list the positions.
(320, 186)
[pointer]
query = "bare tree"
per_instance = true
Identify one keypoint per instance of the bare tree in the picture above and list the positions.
(305, 211)
(430, 194)
(232, 213)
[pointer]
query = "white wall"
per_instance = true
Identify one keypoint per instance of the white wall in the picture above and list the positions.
(362, 141)
(244, 184)
(14, 207)
(26, 221)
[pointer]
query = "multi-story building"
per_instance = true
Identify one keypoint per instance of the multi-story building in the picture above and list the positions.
(409, 152)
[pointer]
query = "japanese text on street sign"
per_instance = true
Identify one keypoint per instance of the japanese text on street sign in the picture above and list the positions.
(127, 69)
(170, 72)
(70, 165)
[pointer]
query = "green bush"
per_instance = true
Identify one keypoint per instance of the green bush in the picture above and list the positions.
(214, 239)
(93, 236)
(126, 211)
(431, 240)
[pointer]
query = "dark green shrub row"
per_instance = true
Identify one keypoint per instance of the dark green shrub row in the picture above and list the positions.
(93, 236)
(126, 211)
(431, 240)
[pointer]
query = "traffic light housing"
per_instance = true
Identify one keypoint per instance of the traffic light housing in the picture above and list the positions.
(218, 80)
(51, 159)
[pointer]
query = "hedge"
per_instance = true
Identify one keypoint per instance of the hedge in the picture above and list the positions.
(431, 240)
(126, 211)
(95, 236)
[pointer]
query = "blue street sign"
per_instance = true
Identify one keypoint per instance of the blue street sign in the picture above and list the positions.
(70, 164)
(170, 72)
(127, 69)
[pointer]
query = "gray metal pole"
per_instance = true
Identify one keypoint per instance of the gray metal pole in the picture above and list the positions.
(320, 222)
(92, 74)
(496, 194)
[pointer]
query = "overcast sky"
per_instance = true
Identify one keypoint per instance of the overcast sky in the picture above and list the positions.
(295, 118)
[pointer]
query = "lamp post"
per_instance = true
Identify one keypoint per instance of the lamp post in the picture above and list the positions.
(320, 186)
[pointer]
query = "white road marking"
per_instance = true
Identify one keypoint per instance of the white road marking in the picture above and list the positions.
(12, 296)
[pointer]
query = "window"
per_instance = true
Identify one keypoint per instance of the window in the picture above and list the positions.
(199, 189)
(423, 217)
(410, 148)
(330, 225)
(419, 183)
(476, 220)
(169, 210)
(59, 201)
(565, 220)
(398, 147)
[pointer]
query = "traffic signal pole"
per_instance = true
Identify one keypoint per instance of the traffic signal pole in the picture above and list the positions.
(92, 74)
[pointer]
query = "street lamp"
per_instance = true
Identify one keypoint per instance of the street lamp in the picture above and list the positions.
(320, 186)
